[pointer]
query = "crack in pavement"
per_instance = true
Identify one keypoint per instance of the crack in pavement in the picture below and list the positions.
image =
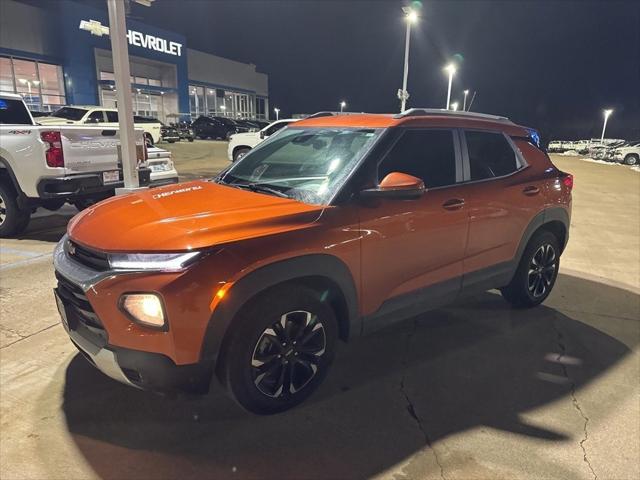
(574, 399)
(24, 337)
(410, 408)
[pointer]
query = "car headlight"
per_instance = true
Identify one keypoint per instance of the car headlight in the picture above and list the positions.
(144, 308)
(168, 262)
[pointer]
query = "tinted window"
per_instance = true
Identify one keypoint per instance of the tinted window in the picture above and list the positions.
(426, 154)
(70, 113)
(112, 116)
(95, 117)
(274, 128)
(490, 155)
(13, 112)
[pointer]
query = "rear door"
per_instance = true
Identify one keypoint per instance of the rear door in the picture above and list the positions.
(501, 199)
(409, 245)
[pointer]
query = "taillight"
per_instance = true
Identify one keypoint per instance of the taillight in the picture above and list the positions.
(54, 153)
(567, 180)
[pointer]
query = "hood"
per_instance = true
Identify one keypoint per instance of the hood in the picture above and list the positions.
(246, 136)
(186, 216)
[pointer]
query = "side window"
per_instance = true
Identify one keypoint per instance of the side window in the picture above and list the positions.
(273, 129)
(96, 116)
(426, 154)
(112, 117)
(490, 155)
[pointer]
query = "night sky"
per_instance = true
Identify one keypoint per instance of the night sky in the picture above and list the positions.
(552, 65)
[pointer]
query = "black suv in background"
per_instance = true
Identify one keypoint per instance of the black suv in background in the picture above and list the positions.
(216, 127)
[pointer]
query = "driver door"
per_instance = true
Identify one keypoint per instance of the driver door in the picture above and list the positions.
(413, 250)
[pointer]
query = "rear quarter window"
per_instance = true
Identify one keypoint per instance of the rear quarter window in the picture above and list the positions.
(490, 155)
(13, 112)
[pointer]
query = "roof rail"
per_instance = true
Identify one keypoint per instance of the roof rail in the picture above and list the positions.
(418, 112)
(331, 114)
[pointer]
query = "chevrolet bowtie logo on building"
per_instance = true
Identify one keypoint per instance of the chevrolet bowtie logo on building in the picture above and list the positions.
(135, 38)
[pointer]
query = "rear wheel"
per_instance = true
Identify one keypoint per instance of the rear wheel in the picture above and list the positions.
(631, 159)
(280, 350)
(13, 219)
(148, 139)
(537, 272)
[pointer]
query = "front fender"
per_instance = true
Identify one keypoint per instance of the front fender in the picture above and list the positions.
(313, 265)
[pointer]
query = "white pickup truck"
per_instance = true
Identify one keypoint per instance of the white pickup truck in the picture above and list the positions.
(47, 166)
(102, 117)
(628, 154)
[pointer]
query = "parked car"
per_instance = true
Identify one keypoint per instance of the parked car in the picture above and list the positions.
(163, 170)
(335, 227)
(555, 146)
(250, 125)
(629, 153)
(104, 117)
(241, 143)
(48, 166)
(216, 127)
(40, 114)
(186, 131)
(169, 133)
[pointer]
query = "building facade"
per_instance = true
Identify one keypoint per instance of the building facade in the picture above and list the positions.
(49, 56)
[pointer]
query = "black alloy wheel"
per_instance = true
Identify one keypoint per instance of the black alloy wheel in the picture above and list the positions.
(287, 354)
(542, 270)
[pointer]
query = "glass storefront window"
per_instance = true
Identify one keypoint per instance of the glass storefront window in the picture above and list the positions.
(225, 103)
(40, 84)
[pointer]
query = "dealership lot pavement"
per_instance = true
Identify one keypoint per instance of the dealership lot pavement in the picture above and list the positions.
(476, 390)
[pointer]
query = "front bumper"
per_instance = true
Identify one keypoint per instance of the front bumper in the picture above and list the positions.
(142, 369)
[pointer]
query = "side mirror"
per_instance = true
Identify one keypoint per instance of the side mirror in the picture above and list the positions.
(397, 185)
(262, 135)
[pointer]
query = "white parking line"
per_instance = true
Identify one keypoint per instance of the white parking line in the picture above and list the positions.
(26, 261)
(16, 251)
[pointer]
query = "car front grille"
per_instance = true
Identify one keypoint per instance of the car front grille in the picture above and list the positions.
(87, 257)
(78, 309)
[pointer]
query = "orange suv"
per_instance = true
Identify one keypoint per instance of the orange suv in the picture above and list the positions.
(337, 226)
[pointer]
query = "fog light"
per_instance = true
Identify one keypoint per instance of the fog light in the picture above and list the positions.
(145, 308)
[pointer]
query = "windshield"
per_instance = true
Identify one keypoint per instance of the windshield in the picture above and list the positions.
(308, 165)
(70, 113)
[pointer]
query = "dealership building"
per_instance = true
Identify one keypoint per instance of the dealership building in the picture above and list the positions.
(52, 53)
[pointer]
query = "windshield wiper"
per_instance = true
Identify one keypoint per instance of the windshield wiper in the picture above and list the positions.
(259, 187)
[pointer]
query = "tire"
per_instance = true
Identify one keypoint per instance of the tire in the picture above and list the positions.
(631, 159)
(13, 219)
(267, 376)
(82, 203)
(149, 139)
(191, 139)
(227, 136)
(239, 153)
(171, 141)
(537, 272)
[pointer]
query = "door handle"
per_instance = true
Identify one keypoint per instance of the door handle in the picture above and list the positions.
(453, 204)
(531, 190)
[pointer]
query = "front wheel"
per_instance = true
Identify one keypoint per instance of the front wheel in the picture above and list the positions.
(537, 272)
(239, 153)
(280, 350)
(148, 139)
(631, 159)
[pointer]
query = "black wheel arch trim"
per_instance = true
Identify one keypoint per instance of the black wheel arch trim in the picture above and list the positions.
(12, 176)
(324, 266)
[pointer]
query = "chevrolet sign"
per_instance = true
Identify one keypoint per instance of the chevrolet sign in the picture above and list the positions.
(135, 38)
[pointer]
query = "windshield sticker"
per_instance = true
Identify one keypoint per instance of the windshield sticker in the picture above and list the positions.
(157, 196)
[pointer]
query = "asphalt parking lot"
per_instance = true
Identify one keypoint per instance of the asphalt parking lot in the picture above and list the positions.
(476, 390)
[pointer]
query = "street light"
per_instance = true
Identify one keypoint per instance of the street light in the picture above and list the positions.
(464, 102)
(28, 83)
(451, 70)
(277, 110)
(454, 106)
(607, 113)
(342, 105)
(411, 17)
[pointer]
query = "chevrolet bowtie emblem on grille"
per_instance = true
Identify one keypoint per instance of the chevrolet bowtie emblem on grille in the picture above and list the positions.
(71, 249)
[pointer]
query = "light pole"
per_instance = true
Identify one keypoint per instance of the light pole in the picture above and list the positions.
(451, 70)
(464, 102)
(277, 110)
(607, 113)
(342, 105)
(454, 106)
(410, 16)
